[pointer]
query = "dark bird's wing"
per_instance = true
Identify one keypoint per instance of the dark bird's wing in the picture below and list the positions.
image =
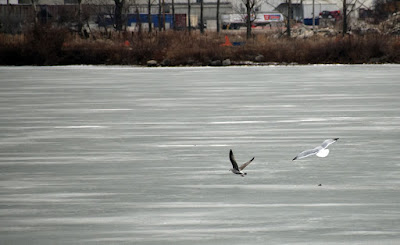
(307, 153)
(327, 142)
(245, 164)
(233, 161)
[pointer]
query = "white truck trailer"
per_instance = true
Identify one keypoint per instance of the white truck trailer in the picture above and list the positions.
(235, 21)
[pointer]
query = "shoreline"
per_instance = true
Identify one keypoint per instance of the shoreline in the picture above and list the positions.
(100, 66)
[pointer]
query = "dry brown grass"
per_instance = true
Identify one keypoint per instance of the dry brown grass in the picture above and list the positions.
(49, 46)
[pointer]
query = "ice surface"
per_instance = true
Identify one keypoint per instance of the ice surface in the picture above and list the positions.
(122, 155)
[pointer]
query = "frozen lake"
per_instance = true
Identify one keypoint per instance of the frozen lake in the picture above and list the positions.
(121, 155)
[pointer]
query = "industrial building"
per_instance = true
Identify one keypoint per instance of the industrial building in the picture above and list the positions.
(64, 10)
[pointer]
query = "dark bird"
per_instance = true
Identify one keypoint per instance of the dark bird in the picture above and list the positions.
(236, 169)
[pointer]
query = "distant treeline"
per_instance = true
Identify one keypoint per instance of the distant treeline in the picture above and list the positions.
(44, 45)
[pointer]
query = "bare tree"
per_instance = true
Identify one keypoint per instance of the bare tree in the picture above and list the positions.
(163, 15)
(250, 10)
(35, 12)
(289, 18)
(189, 22)
(247, 13)
(82, 18)
(119, 5)
(218, 3)
(104, 12)
(173, 14)
(344, 31)
(138, 20)
(354, 6)
(149, 3)
(201, 17)
(288, 15)
(80, 25)
(159, 15)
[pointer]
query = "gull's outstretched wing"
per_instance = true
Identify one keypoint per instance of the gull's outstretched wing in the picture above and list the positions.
(307, 153)
(233, 161)
(245, 164)
(328, 142)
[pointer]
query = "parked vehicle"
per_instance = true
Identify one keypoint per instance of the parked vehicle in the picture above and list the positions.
(235, 21)
(330, 15)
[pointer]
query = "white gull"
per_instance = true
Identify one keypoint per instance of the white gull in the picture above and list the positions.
(320, 151)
